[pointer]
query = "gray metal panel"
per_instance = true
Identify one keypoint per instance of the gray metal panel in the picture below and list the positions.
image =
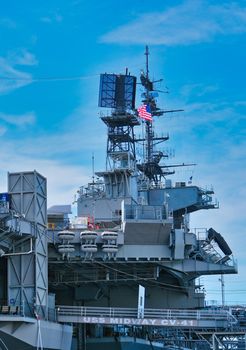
(21, 282)
(101, 209)
(176, 197)
(28, 267)
(60, 209)
(147, 233)
(41, 269)
(178, 244)
(28, 192)
(22, 333)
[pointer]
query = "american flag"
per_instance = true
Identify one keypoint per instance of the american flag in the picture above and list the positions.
(144, 112)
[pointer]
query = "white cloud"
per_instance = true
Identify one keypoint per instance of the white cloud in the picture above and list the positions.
(2, 130)
(49, 154)
(197, 89)
(22, 57)
(8, 23)
(53, 17)
(19, 120)
(11, 77)
(74, 135)
(192, 22)
(46, 19)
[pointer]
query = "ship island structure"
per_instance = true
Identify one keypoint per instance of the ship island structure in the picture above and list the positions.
(123, 273)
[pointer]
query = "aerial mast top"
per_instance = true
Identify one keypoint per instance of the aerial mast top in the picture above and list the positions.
(151, 166)
(147, 61)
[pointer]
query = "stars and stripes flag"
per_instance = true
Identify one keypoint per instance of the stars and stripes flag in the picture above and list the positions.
(144, 112)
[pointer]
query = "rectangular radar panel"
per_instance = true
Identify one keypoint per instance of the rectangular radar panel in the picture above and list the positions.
(117, 91)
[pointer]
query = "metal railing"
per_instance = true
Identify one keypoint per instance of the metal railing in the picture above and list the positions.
(172, 314)
(145, 212)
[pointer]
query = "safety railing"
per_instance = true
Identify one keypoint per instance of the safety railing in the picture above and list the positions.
(144, 212)
(174, 314)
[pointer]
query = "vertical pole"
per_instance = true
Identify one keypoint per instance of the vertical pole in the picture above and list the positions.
(213, 341)
(147, 61)
(93, 169)
(222, 281)
(148, 124)
(84, 336)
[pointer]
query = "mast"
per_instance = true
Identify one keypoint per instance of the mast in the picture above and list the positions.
(147, 61)
(151, 166)
(149, 143)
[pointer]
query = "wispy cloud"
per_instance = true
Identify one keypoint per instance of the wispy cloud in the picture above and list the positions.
(192, 22)
(22, 57)
(7, 22)
(54, 17)
(19, 120)
(2, 130)
(217, 120)
(62, 143)
(13, 78)
(50, 154)
(198, 89)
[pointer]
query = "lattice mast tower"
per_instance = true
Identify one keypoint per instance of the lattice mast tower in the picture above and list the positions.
(118, 93)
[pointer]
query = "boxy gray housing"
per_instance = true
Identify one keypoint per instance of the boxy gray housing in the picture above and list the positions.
(28, 264)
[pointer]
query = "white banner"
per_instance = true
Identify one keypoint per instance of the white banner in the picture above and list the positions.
(141, 300)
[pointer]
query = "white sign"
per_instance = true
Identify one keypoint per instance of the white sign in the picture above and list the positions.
(141, 300)
(135, 321)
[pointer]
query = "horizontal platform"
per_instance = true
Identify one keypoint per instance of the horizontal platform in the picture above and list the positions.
(16, 318)
(214, 319)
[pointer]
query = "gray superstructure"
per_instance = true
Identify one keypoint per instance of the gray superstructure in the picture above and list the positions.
(124, 270)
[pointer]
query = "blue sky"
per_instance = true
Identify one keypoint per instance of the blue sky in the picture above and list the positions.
(51, 55)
